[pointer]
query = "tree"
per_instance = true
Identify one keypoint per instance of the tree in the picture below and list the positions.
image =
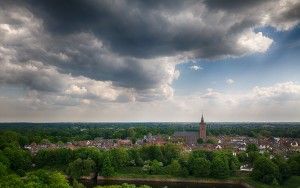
(19, 159)
(76, 184)
(8, 138)
(135, 157)
(44, 178)
(201, 167)
(170, 152)
(200, 141)
(45, 141)
(156, 167)
(242, 156)
(119, 157)
(4, 160)
(294, 164)
(265, 170)
(11, 181)
(220, 168)
(283, 167)
(152, 152)
(50, 157)
(80, 167)
(211, 141)
(174, 168)
(93, 153)
(265, 133)
(252, 156)
(3, 170)
(107, 169)
(251, 148)
(234, 164)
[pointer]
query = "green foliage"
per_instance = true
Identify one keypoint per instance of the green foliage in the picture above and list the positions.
(156, 167)
(170, 152)
(200, 141)
(184, 172)
(43, 178)
(36, 179)
(177, 163)
(45, 141)
(135, 157)
(265, 170)
(54, 132)
(152, 152)
(242, 156)
(50, 157)
(220, 167)
(202, 153)
(81, 167)
(76, 184)
(283, 167)
(11, 181)
(200, 167)
(3, 170)
(265, 133)
(119, 157)
(93, 153)
(292, 182)
(234, 164)
(294, 164)
(107, 169)
(9, 138)
(252, 156)
(251, 148)
(19, 159)
(211, 141)
(174, 168)
(3, 159)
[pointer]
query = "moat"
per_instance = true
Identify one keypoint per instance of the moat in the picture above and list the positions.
(157, 183)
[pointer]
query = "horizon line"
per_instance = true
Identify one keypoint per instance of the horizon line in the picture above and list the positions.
(36, 122)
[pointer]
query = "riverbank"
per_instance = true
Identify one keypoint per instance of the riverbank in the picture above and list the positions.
(174, 181)
(158, 180)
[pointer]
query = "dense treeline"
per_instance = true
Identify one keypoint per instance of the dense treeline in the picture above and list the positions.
(65, 132)
(77, 133)
(159, 160)
(20, 169)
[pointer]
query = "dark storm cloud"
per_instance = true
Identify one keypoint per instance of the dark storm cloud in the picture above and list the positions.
(135, 28)
(293, 13)
(233, 5)
(135, 45)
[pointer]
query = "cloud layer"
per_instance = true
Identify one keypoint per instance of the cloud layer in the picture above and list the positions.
(85, 52)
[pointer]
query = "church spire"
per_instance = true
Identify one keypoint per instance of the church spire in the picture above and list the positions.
(202, 119)
(202, 129)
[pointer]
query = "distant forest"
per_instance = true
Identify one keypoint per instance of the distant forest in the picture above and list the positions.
(54, 132)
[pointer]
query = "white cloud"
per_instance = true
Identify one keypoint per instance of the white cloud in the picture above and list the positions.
(254, 42)
(281, 92)
(230, 81)
(195, 67)
(251, 105)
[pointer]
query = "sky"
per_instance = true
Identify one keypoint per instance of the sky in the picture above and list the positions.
(129, 60)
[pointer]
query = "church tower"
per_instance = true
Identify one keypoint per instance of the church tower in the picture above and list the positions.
(202, 129)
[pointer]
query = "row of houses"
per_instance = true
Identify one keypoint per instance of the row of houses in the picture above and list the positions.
(98, 143)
